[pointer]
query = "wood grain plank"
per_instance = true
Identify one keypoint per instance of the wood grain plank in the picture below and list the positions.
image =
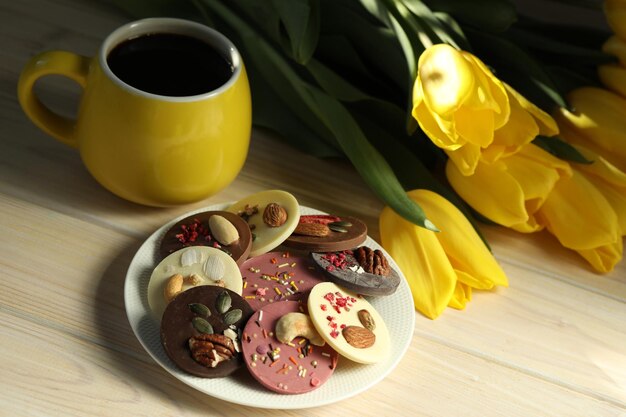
(545, 328)
(75, 377)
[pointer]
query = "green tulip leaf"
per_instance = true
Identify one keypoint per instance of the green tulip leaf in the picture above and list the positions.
(489, 15)
(559, 49)
(300, 20)
(368, 162)
(560, 149)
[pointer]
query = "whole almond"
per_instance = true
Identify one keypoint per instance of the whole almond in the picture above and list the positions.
(312, 229)
(366, 319)
(274, 215)
(222, 230)
(359, 337)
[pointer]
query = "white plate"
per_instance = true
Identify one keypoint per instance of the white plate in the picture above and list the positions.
(349, 378)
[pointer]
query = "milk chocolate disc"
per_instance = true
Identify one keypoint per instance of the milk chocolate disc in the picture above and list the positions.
(343, 233)
(186, 318)
(343, 269)
(287, 368)
(194, 230)
(278, 276)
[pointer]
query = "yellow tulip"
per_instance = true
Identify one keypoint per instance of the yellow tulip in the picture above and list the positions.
(617, 47)
(582, 219)
(511, 190)
(441, 268)
(526, 121)
(608, 179)
(467, 111)
(615, 12)
(613, 76)
(598, 123)
(458, 102)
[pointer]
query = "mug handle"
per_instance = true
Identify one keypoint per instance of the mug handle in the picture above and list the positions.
(68, 64)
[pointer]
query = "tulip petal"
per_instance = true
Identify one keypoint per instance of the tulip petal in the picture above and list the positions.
(599, 117)
(491, 191)
(421, 259)
(615, 12)
(547, 125)
(616, 47)
(579, 215)
(614, 78)
(430, 126)
(446, 77)
(495, 90)
(465, 158)
(571, 135)
(609, 180)
(475, 126)
(616, 197)
(520, 130)
(461, 243)
(478, 282)
(600, 167)
(604, 258)
(462, 294)
(536, 171)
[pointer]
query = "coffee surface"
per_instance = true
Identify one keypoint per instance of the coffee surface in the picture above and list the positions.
(169, 65)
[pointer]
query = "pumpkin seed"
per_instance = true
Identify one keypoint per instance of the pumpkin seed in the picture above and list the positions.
(223, 302)
(202, 325)
(337, 229)
(233, 316)
(341, 223)
(200, 309)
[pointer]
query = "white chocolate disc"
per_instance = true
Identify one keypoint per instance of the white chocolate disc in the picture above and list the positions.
(266, 237)
(204, 261)
(330, 317)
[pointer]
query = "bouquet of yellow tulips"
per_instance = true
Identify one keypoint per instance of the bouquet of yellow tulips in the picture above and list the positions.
(450, 110)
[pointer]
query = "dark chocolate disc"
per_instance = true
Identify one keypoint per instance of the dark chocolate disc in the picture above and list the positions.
(199, 311)
(349, 274)
(194, 230)
(348, 237)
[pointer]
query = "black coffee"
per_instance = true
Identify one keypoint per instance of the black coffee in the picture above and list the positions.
(169, 65)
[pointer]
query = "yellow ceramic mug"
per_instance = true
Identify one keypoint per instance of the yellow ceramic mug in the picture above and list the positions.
(148, 148)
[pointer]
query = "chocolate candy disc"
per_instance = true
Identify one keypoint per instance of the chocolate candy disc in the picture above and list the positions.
(272, 216)
(194, 230)
(287, 368)
(278, 276)
(343, 269)
(200, 328)
(340, 233)
(191, 267)
(348, 323)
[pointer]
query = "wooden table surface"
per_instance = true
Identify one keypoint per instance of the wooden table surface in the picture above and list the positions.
(552, 344)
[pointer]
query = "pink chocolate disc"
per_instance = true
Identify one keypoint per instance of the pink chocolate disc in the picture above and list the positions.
(278, 276)
(293, 368)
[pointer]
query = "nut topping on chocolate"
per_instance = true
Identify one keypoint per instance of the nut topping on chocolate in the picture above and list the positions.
(274, 215)
(211, 349)
(312, 229)
(359, 337)
(223, 231)
(366, 319)
(372, 261)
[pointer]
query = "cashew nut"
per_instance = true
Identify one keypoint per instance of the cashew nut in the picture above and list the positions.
(173, 286)
(292, 325)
